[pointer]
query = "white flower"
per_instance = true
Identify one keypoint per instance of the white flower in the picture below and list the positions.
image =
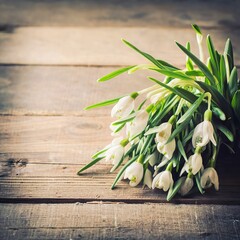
(138, 124)
(134, 173)
(167, 149)
(203, 133)
(147, 180)
(123, 108)
(164, 132)
(163, 180)
(194, 163)
(153, 158)
(114, 154)
(209, 177)
(186, 186)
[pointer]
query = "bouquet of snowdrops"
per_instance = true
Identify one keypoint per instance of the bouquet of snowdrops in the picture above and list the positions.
(173, 137)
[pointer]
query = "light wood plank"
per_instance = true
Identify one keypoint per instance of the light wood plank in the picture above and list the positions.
(100, 46)
(25, 181)
(36, 90)
(118, 221)
(117, 13)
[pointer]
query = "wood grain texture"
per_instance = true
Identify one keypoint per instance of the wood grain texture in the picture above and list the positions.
(118, 221)
(49, 45)
(36, 90)
(116, 13)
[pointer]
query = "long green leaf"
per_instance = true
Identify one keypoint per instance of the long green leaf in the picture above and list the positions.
(181, 149)
(173, 74)
(199, 63)
(192, 109)
(172, 192)
(226, 132)
(197, 178)
(146, 55)
(122, 171)
(114, 74)
(236, 104)
(94, 161)
(233, 82)
(103, 104)
(229, 52)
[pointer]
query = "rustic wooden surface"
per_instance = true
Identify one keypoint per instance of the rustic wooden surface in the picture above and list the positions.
(51, 53)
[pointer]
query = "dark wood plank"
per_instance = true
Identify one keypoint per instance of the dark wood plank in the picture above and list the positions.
(29, 90)
(45, 45)
(118, 13)
(118, 221)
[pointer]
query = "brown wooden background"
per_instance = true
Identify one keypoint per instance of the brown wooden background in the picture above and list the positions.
(51, 53)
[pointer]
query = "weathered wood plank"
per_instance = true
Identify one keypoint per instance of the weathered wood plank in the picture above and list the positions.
(22, 180)
(116, 13)
(49, 45)
(118, 221)
(36, 90)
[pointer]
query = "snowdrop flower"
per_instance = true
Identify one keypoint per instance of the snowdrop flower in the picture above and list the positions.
(209, 177)
(164, 179)
(203, 133)
(134, 173)
(167, 149)
(115, 152)
(164, 132)
(153, 158)
(186, 186)
(147, 180)
(124, 106)
(138, 124)
(193, 164)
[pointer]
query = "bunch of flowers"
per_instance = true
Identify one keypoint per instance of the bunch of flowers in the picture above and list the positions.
(172, 138)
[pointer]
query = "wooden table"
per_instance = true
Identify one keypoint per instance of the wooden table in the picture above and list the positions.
(51, 54)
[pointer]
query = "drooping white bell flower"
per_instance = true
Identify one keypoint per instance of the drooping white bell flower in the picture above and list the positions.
(163, 180)
(167, 149)
(194, 164)
(164, 132)
(114, 154)
(186, 186)
(203, 133)
(138, 124)
(123, 107)
(147, 180)
(134, 173)
(153, 158)
(209, 178)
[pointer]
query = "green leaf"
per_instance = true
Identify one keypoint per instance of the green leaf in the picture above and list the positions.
(233, 82)
(122, 171)
(94, 161)
(172, 192)
(229, 52)
(102, 104)
(189, 64)
(173, 74)
(167, 65)
(197, 29)
(114, 74)
(199, 63)
(236, 104)
(181, 149)
(226, 132)
(125, 119)
(99, 153)
(197, 178)
(146, 55)
(194, 73)
(179, 129)
(217, 98)
(223, 75)
(192, 109)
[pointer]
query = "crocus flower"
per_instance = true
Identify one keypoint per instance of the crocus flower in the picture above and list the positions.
(147, 180)
(163, 180)
(134, 173)
(167, 149)
(123, 108)
(194, 163)
(186, 186)
(209, 177)
(203, 133)
(138, 124)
